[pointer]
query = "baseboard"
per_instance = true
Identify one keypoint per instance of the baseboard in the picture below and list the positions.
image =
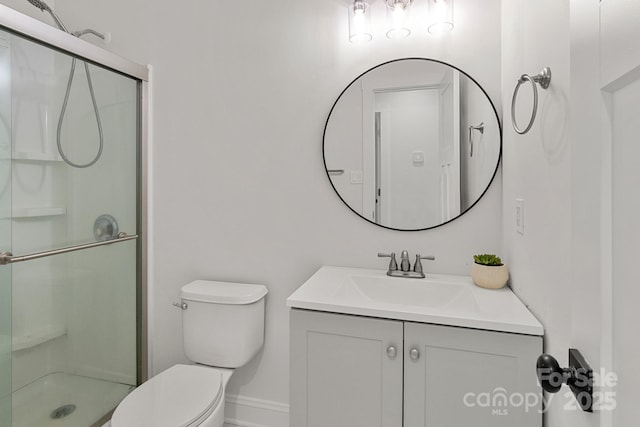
(241, 411)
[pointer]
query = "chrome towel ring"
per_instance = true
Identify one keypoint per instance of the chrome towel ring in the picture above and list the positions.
(543, 79)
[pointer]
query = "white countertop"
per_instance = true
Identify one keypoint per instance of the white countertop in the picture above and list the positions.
(437, 299)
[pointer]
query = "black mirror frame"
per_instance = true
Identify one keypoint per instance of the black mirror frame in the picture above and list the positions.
(498, 161)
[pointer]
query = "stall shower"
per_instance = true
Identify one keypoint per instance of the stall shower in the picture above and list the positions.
(71, 279)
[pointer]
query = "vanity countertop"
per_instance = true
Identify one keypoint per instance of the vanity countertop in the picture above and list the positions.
(438, 299)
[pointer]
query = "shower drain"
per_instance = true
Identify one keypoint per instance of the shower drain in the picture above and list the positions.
(63, 411)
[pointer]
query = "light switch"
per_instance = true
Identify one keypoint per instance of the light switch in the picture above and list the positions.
(418, 158)
(520, 216)
(356, 177)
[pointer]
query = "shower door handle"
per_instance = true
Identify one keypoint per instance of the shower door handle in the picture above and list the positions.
(9, 258)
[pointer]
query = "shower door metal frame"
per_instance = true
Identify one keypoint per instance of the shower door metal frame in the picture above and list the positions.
(45, 34)
(42, 33)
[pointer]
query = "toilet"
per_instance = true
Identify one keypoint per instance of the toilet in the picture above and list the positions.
(223, 328)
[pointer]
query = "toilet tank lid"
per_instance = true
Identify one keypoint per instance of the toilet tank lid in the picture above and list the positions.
(223, 292)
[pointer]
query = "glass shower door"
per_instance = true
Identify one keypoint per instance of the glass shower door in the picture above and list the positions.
(5, 230)
(69, 177)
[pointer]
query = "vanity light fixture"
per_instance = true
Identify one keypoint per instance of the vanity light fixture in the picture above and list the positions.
(440, 16)
(359, 22)
(398, 18)
(439, 19)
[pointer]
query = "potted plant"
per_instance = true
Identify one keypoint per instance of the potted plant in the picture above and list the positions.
(488, 271)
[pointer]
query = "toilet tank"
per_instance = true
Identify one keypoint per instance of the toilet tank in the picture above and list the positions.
(223, 323)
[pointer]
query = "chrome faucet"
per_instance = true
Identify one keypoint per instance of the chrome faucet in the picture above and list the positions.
(405, 265)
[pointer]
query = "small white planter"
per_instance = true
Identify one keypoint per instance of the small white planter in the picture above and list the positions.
(489, 276)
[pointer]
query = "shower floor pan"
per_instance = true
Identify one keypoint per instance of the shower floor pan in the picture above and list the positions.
(65, 400)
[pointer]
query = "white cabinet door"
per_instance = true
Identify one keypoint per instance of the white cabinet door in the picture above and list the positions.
(343, 373)
(457, 377)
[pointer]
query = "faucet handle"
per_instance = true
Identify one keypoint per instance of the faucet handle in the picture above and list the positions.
(417, 267)
(393, 265)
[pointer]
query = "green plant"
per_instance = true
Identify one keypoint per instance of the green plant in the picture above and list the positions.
(487, 259)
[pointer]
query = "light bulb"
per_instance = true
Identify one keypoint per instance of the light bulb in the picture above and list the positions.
(440, 16)
(359, 22)
(397, 17)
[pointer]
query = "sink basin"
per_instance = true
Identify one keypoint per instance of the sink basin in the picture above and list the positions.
(408, 292)
(438, 299)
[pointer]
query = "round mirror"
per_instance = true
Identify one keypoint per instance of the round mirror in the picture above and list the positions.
(412, 144)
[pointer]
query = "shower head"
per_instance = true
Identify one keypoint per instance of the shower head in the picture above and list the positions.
(40, 4)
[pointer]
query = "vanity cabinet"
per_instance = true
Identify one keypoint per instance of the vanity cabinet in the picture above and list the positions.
(346, 371)
(354, 371)
(457, 377)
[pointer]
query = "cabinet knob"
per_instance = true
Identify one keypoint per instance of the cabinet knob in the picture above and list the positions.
(414, 354)
(392, 352)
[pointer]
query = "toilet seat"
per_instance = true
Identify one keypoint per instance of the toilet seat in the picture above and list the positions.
(181, 396)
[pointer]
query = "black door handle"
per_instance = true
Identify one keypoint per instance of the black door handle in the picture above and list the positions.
(578, 376)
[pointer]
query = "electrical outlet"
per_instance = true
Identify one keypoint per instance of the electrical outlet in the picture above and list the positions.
(520, 216)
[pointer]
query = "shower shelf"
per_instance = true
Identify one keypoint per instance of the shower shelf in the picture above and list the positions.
(24, 342)
(35, 156)
(35, 212)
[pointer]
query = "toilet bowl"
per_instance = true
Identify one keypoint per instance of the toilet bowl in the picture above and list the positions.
(223, 328)
(181, 396)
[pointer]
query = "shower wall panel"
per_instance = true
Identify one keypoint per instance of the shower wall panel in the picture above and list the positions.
(38, 213)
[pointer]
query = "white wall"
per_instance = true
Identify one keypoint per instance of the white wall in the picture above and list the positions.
(562, 170)
(241, 94)
(537, 168)
(557, 168)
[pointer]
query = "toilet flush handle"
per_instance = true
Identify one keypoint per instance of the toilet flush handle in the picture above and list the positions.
(181, 305)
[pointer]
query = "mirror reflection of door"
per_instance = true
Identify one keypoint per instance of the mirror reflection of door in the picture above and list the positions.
(449, 155)
(417, 154)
